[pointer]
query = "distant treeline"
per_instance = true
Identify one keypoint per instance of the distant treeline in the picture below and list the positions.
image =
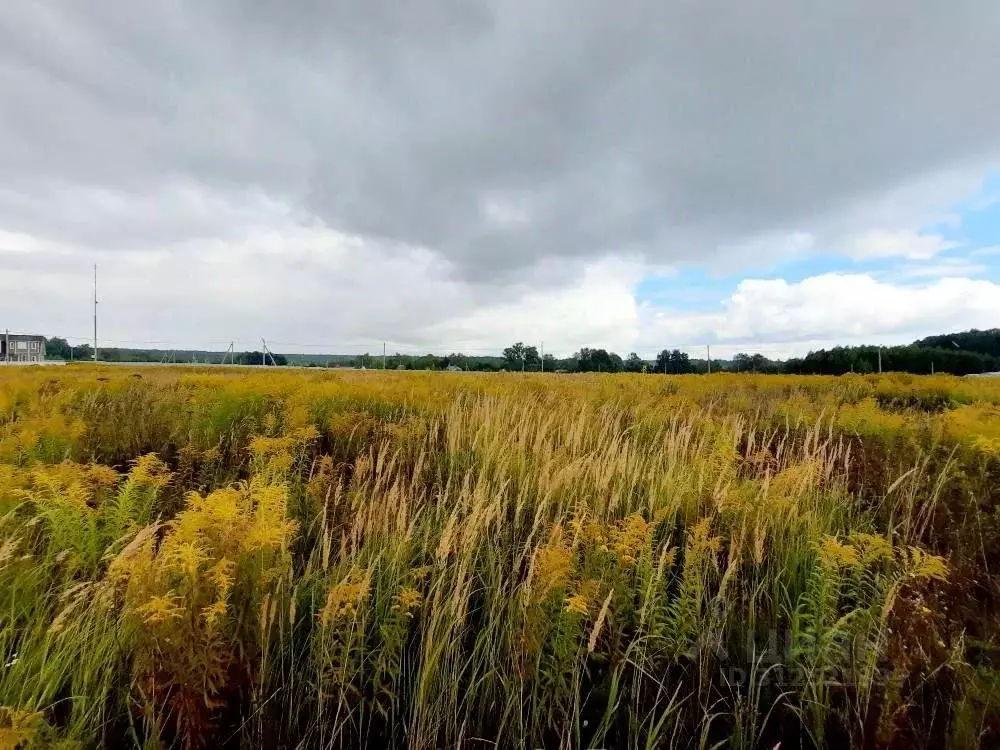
(962, 353)
(914, 358)
(958, 353)
(59, 348)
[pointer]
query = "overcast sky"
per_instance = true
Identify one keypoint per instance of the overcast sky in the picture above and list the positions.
(458, 175)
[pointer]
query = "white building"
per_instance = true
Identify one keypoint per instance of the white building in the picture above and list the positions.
(20, 347)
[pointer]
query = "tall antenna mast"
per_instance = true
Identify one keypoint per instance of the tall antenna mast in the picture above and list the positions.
(95, 312)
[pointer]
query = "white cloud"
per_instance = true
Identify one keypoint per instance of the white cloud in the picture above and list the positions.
(505, 212)
(783, 318)
(939, 269)
(897, 244)
(306, 288)
(627, 129)
(598, 311)
(255, 266)
(386, 174)
(20, 243)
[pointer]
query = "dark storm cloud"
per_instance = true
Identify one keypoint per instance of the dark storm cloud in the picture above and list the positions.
(496, 134)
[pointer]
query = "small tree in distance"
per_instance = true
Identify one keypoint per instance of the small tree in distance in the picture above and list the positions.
(673, 362)
(520, 357)
(634, 363)
(598, 360)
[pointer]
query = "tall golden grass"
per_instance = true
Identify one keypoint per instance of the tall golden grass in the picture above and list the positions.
(230, 558)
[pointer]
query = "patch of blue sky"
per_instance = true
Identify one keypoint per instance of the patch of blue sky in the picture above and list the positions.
(975, 222)
(693, 289)
(688, 289)
(973, 228)
(975, 231)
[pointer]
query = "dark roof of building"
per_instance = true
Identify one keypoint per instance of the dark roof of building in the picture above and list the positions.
(23, 336)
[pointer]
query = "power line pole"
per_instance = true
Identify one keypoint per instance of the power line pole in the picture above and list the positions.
(708, 349)
(95, 312)
(543, 356)
(266, 353)
(880, 360)
(383, 355)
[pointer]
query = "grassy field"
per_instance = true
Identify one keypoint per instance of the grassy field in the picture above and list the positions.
(206, 558)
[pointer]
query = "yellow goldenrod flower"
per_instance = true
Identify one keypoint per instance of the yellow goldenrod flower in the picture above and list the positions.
(630, 538)
(186, 557)
(925, 566)
(578, 604)
(834, 554)
(342, 602)
(213, 613)
(161, 609)
(408, 599)
(553, 565)
(699, 541)
(150, 470)
(872, 547)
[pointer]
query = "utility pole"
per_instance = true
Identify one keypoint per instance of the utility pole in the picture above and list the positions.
(880, 360)
(708, 349)
(266, 353)
(95, 312)
(383, 355)
(543, 356)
